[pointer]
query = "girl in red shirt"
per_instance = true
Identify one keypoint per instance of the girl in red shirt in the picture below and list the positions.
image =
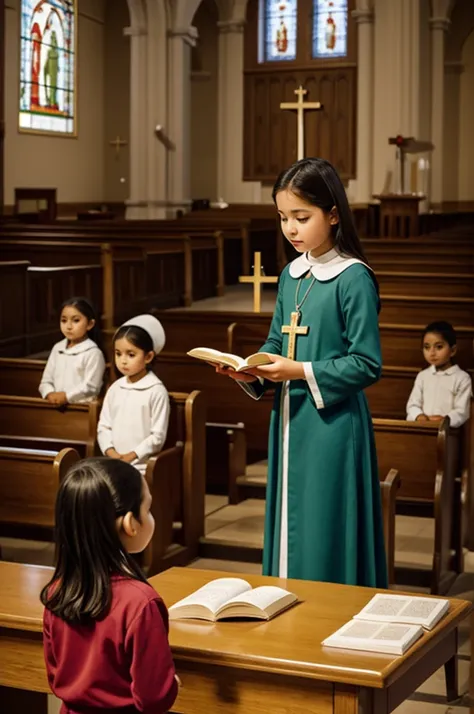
(105, 629)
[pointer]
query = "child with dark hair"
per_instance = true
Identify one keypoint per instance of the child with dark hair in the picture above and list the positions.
(323, 507)
(134, 418)
(442, 389)
(105, 629)
(75, 368)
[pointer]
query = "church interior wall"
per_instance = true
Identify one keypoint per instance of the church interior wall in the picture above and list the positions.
(204, 97)
(466, 122)
(46, 161)
(116, 100)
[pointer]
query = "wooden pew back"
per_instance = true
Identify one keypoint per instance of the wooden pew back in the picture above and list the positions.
(14, 308)
(29, 483)
(30, 417)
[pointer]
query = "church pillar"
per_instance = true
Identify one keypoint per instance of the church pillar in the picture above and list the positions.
(365, 103)
(179, 117)
(230, 185)
(453, 71)
(439, 27)
(137, 202)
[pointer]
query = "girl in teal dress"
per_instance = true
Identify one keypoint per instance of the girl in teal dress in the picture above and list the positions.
(323, 508)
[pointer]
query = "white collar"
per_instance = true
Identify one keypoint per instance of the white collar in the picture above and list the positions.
(83, 346)
(451, 370)
(149, 380)
(323, 268)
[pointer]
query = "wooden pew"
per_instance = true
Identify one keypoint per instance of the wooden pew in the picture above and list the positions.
(14, 325)
(29, 417)
(29, 483)
(428, 458)
(401, 265)
(177, 480)
(443, 285)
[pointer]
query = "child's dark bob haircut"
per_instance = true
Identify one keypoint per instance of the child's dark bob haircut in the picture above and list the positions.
(445, 329)
(139, 338)
(89, 551)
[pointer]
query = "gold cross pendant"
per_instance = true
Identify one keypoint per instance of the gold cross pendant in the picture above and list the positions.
(292, 330)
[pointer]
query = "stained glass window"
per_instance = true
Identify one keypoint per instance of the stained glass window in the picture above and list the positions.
(329, 28)
(279, 30)
(47, 69)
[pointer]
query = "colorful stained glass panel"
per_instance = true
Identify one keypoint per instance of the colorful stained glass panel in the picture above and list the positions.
(329, 28)
(280, 20)
(47, 66)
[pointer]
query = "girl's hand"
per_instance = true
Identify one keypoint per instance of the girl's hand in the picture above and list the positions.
(112, 454)
(421, 417)
(237, 376)
(57, 398)
(281, 370)
(435, 418)
(128, 458)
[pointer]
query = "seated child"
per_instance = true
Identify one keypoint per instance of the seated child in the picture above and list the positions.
(105, 629)
(134, 418)
(443, 389)
(75, 368)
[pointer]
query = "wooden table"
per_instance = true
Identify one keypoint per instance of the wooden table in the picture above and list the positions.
(247, 667)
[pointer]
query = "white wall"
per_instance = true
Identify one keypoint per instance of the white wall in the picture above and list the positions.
(466, 123)
(75, 166)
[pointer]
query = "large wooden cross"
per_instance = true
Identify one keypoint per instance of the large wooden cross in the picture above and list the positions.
(292, 330)
(257, 279)
(118, 143)
(300, 106)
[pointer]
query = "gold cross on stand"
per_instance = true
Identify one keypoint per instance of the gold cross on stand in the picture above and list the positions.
(118, 143)
(300, 107)
(292, 330)
(257, 279)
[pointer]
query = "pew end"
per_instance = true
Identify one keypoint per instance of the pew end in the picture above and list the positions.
(388, 488)
(177, 480)
(226, 449)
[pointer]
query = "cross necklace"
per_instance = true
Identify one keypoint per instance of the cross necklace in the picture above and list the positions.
(293, 328)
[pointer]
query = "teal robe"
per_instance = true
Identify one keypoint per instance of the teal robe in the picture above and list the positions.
(323, 510)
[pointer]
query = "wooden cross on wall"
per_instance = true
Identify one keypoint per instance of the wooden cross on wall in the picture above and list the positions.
(257, 279)
(118, 143)
(300, 106)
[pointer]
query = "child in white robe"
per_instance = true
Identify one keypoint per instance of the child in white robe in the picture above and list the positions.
(134, 418)
(75, 368)
(443, 389)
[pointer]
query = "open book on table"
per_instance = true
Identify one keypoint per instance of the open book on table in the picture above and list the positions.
(232, 597)
(228, 360)
(389, 623)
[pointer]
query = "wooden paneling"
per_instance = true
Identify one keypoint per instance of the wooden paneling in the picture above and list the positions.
(270, 133)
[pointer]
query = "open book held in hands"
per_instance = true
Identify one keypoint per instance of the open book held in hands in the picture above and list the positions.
(232, 597)
(228, 360)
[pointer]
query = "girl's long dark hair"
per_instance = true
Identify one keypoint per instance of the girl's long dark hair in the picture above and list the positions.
(95, 492)
(86, 308)
(317, 182)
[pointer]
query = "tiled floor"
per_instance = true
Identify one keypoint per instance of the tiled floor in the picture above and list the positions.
(243, 524)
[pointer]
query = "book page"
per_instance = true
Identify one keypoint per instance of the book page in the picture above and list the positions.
(261, 597)
(257, 359)
(385, 606)
(360, 630)
(214, 594)
(421, 608)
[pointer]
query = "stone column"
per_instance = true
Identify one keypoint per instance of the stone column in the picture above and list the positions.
(137, 201)
(365, 103)
(439, 27)
(453, 71)
(179, 101)
(230, 185)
